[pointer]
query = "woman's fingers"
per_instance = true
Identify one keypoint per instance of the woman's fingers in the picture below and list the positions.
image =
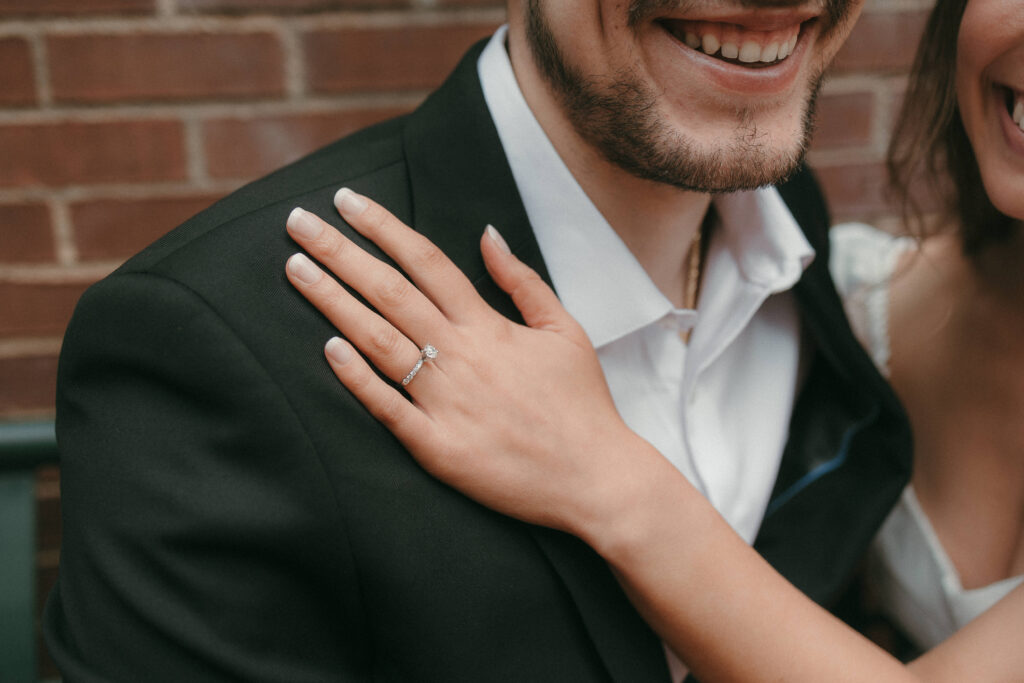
(385, 346)
(431, 270)
(535, 300)
(407, 422)
(385, 288)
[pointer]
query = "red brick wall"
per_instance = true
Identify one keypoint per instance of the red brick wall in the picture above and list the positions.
(120, 118)
(860, 103)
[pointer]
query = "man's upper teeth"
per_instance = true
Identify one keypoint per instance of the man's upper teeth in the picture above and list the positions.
(732, 42)
(1018, 109)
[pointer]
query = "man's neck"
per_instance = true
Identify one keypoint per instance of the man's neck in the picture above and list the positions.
(656, 221)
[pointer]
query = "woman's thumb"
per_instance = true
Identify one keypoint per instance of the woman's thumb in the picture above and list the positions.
(535, 300)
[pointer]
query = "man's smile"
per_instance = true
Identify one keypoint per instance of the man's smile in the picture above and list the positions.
(746, 55)
(735, 43)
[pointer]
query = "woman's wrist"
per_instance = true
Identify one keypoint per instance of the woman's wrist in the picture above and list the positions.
(627, 512)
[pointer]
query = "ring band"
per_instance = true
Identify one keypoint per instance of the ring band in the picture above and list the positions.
(428, 352)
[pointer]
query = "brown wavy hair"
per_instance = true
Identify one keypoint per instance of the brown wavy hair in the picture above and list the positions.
(930, 146)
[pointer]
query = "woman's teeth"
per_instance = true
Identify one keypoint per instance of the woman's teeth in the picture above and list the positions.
(731, 42)
(1018, 109)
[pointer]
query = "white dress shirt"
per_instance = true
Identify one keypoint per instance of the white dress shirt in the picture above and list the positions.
(718, 409)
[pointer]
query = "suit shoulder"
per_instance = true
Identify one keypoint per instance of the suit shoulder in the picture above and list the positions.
(372, 152)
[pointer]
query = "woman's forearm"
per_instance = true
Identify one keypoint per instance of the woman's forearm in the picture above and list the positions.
(718, 604)
(731, 617)
(987, 649)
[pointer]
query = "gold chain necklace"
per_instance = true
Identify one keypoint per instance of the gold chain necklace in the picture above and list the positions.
(694, 266)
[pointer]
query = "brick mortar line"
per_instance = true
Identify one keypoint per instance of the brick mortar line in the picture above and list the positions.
(134, 191)
(893, 6)
(50, 274)
(40, 69)
(885, 117)
(180, 23)
(315, 104)
(63, 232)
(294, 63)
(166, 8)
(842, 156)
(27, 347)
(414, 18)
(132, 25)
(195, 154)
(853, 82)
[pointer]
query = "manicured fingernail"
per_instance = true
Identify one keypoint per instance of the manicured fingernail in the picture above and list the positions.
(303, 224)
(338, 351)
(302, 268)
(349, 203)
(496, 237)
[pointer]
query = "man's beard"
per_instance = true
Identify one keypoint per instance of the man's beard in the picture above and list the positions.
(621, 120)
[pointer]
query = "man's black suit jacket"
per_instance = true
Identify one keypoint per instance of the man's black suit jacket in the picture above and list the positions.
(231, 513)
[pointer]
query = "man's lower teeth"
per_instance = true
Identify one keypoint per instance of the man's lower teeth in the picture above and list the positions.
(740, 62)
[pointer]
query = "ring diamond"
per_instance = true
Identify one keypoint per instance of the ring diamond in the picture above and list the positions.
(428, 352)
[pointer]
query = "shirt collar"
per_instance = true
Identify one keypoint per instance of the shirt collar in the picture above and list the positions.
(763, 237)
(597, 278)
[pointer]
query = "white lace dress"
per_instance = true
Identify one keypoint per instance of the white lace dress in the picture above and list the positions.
(916, 581)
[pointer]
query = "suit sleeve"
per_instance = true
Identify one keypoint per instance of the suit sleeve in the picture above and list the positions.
(201, 539)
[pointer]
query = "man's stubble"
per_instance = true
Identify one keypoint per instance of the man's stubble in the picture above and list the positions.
(621, 120)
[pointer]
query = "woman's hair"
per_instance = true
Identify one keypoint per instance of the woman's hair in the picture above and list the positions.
(930, 144)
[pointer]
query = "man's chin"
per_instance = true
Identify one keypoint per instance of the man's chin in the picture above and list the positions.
(753, 174)
(717, 172)
(750, 160)
(758, 149)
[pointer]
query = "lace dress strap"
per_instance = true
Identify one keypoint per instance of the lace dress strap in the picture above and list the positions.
(862, 262)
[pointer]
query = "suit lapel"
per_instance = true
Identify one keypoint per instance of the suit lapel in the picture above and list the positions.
(848, 453)
(461, 181)
(459, 176)
(821, 308)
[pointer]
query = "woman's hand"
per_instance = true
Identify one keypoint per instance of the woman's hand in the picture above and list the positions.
(517, 417)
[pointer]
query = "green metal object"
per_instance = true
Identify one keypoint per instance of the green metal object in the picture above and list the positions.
(23, 447)
(17, 583)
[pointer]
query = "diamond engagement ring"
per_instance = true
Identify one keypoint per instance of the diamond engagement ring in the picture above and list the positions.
(428, 352)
